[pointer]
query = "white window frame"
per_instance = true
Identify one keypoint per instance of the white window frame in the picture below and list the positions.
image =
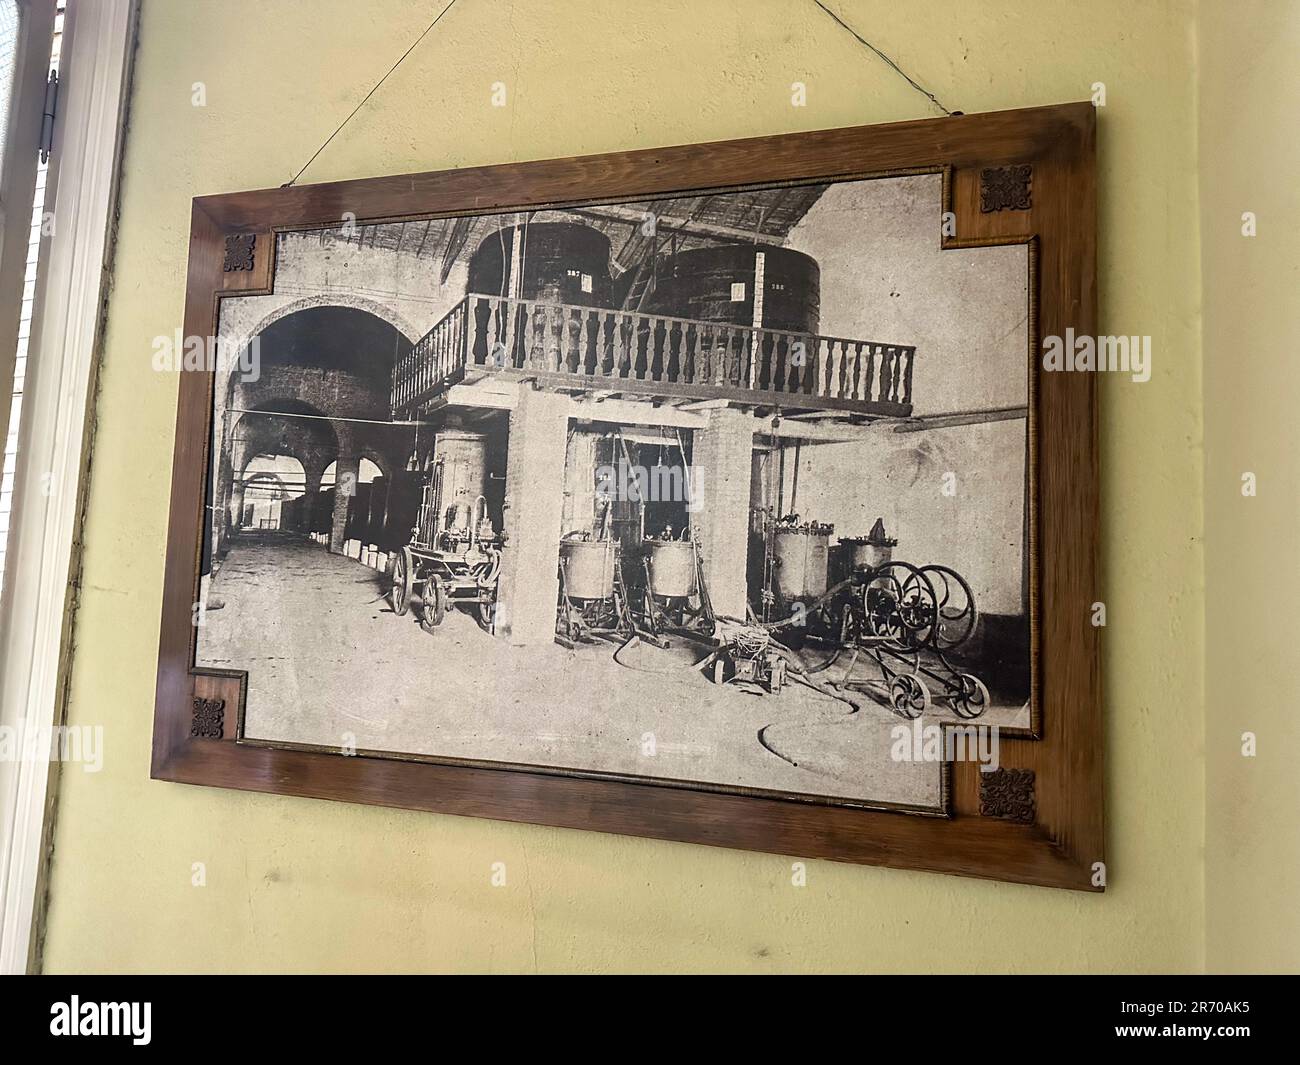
(62, 353)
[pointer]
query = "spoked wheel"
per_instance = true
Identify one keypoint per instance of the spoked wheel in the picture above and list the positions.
(972, 698)
(909, 696)
(403, 582)
(955, 607)
(433, 605)
(900, 605)
(485, 574)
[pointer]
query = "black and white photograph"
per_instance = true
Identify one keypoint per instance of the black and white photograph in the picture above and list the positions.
(729, 490)
(678, 487)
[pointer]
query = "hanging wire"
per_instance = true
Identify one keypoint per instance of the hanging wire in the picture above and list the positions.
(894, 66)
(371, 93)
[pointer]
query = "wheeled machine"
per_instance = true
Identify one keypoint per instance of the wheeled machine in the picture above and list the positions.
(454, 557)
(907, 619)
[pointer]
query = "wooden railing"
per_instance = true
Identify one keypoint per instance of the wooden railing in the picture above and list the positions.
(654, 354)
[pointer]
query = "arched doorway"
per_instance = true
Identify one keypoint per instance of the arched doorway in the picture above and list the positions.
(318, 389)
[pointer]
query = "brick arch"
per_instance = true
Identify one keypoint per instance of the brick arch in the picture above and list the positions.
(233, 347)
(339, 299)
(267, 475)
(322, 438)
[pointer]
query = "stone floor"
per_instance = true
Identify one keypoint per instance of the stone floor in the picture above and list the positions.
(330, 665)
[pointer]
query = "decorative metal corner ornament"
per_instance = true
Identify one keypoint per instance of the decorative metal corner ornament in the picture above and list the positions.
(1008, 794)
(1006, 188)
(209, 720)
(239, 252)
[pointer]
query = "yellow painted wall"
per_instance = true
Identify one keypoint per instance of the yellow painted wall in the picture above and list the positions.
(1249, 93)
(294, 884)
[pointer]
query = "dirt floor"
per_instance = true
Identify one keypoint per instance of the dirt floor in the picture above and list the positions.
(331, 665)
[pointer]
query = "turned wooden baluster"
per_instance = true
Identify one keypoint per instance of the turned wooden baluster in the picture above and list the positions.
(572, 349)
(869, 383)
(703, 355)
(606, 341)
(644, 343)
(658, 342)
(619, 346)
(537, 337)
(511, 310)
(561, 333)
(523, 335)
(493, 337)
(581, 336)
(585, 342)
(554, 339)
(690, 342)
(472, 338)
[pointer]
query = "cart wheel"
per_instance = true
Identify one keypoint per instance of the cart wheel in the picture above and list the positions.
(909, 696)
(973, 698)
(900, 605)
(719, 671)
(487, 615)
(399, 593)
(433, 605)
(956, 614)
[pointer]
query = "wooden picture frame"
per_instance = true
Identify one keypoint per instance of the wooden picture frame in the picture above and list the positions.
(1013, 177)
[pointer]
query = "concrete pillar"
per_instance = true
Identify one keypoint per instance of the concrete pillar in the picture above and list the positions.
(220, 502)
(312, 470)
(236, 509)
(221, 513)
(721, 459)
(529, 585)
(346, 471)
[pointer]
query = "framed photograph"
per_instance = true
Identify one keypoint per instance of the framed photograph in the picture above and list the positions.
(715, 493)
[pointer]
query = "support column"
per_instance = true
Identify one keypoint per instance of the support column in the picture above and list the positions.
(720, 473)
(529, 585)
(346, 471)
(236, 508)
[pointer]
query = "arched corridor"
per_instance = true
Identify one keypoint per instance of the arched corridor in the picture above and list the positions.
(315, 405)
